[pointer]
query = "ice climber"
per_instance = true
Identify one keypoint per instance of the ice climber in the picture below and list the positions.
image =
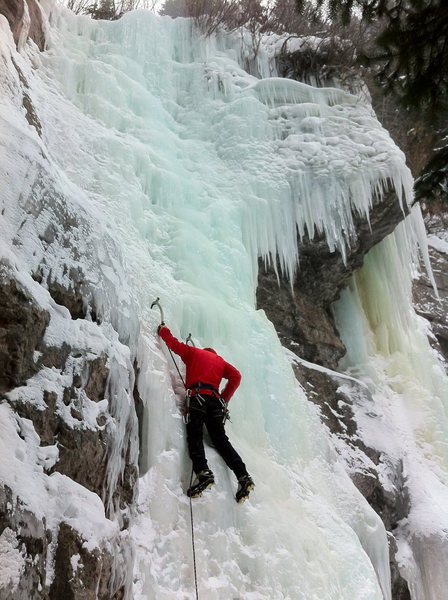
(207, 406)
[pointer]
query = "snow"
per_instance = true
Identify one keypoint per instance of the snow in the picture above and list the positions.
(300, 361)
(11, 559)
(75, 561)
(166, 170)
(438, 244)
(55, 497)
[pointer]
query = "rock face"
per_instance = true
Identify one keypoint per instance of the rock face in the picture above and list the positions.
(63, 423)
(301, 314)
(435, 311)
(25, 20)
(22, 326)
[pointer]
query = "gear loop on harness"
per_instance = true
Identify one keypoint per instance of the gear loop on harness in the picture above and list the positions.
(196, 388)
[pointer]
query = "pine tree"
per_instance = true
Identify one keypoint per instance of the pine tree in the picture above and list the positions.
(409, 56)
(433, 181)
(104, 9)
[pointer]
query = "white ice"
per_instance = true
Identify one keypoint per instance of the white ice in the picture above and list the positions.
(182, 169)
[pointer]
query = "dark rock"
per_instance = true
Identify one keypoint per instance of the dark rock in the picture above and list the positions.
(323, 274)
(36, 31)
(90, 578)
(303, 326)
(14, 11)
(322, 390)
(82, 454)
(427, 305)
(45, 419)
(31, 115)
(126, 490)
(139, 408)
(71, 298)
(54, 356)
(22, 327)
(71, 295)
(400, 589)
(31, 538)
(98, 375)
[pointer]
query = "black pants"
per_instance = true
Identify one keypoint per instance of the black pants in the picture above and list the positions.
(210, 414)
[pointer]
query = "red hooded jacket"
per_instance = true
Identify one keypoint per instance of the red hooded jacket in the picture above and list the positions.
(203, 366)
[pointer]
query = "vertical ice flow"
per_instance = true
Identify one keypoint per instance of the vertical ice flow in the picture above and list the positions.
(387, 347)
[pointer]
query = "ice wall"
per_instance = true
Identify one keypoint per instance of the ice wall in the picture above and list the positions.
(195, 168)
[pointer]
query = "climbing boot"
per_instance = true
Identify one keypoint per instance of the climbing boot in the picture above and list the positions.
(204, 480)
(245, 486)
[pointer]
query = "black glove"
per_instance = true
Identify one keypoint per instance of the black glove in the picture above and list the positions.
(162, 324)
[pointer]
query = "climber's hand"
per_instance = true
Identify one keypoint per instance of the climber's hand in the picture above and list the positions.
(162, 324)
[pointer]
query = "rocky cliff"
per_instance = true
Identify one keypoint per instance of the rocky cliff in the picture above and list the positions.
(67, 383)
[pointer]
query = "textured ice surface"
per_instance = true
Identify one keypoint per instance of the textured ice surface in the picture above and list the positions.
(182, 169)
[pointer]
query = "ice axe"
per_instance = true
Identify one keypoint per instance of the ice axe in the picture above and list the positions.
(190, 339)
(157, 303)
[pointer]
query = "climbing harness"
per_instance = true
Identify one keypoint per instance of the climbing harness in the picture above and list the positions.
(157, 303)
(197, 395)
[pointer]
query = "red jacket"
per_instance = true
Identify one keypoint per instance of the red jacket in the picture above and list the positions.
(204, 366)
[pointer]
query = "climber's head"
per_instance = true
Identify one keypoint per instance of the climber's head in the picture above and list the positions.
(210, 350)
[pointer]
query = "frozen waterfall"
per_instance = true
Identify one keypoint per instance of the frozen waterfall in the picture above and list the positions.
(188, 169)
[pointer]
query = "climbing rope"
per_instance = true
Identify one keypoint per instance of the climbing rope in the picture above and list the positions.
(191, 503)
(175, 364)
(192, 540)
(189, 339)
